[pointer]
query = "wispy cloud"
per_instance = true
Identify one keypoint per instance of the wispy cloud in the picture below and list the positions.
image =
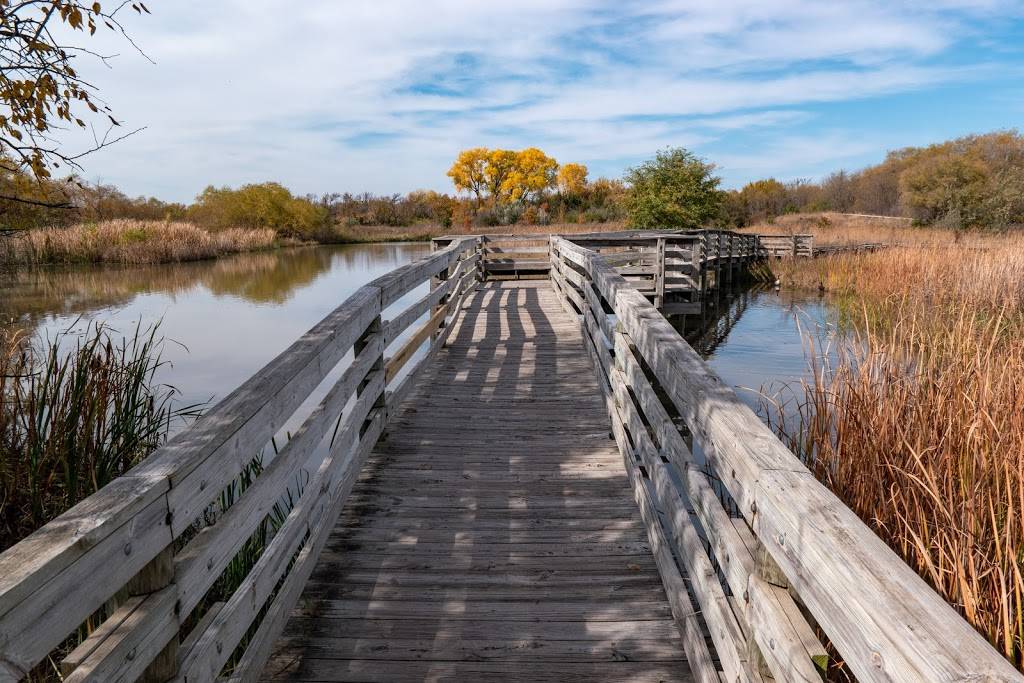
(380, 96)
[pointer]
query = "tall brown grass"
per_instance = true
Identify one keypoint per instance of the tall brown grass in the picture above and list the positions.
(128, 241)
(918, 421)
(831, 228)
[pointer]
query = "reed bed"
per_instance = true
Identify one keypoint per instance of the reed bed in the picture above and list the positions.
(76, 411)
(834, 229)
(918, 421)
(129, 242)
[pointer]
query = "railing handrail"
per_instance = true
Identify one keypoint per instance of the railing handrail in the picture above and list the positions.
(884, 619)
(121, 540)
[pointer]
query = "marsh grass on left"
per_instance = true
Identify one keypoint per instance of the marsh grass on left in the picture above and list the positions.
(77, 410)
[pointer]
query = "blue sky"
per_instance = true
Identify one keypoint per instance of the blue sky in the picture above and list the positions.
(380, 96)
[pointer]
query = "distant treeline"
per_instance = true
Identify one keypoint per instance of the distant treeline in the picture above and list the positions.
(975, 181)
(971, 182)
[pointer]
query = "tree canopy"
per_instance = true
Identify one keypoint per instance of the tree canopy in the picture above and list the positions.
(572, 179)
(676, 189)
(264, 205)
(503, 175)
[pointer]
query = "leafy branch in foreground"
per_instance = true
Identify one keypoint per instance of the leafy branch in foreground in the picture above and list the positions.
(41, 90)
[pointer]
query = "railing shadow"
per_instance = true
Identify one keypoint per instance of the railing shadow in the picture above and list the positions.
(493, 534)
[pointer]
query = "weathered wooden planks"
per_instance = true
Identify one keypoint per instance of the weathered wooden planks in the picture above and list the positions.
(494, 528)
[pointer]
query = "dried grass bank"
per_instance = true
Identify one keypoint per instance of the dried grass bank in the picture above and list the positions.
(919, 424)
(128, 242)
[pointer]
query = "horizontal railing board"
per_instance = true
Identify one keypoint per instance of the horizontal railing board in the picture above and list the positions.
(312, 513)
(124, 655)
(721, 622)
(250, 666)
(786, 640)
(205, 557)
(394, 327)
(691, 631)
(516, 249)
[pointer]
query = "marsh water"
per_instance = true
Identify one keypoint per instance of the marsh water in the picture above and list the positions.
(224, 319)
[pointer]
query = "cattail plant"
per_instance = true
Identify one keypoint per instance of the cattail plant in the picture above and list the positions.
(76, 411)
(917, 421)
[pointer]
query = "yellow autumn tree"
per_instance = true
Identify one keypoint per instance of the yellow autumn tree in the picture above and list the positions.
(502, 166)
(469, 172)
(572, 179)
(534, 172)
(504, 175)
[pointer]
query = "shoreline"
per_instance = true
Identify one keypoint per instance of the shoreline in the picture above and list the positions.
(136, 243)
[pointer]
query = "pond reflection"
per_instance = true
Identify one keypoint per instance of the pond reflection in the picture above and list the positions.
(223, 319)
(756, 339)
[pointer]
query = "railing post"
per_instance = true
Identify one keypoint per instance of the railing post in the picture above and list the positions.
(481, 271)
(659, 275)
(155, 576)
(728, 257)
(435, 282)
(378, 366)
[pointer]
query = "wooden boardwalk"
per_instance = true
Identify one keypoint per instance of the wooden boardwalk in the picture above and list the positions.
(497, 484)
(493, 534)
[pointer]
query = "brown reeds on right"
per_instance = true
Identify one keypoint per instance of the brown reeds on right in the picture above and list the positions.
(917, 421)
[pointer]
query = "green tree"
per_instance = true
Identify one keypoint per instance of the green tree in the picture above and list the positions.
(264, 205)
(676, 189)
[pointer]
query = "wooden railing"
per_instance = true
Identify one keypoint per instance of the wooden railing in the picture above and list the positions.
(141, 555)
(787, 245)
(674, 269)
(764, 570)
(508, 256)
(795, 555)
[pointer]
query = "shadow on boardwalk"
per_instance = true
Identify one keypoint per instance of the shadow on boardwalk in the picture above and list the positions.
(493, 534)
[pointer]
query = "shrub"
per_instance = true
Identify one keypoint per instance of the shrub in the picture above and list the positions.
(267, 205)
(676, 189)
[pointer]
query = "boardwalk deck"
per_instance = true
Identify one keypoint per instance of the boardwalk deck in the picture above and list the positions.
(493, 534)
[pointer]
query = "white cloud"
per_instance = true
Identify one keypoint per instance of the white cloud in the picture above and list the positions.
(245, 91)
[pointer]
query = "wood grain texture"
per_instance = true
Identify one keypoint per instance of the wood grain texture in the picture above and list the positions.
(481, 542)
